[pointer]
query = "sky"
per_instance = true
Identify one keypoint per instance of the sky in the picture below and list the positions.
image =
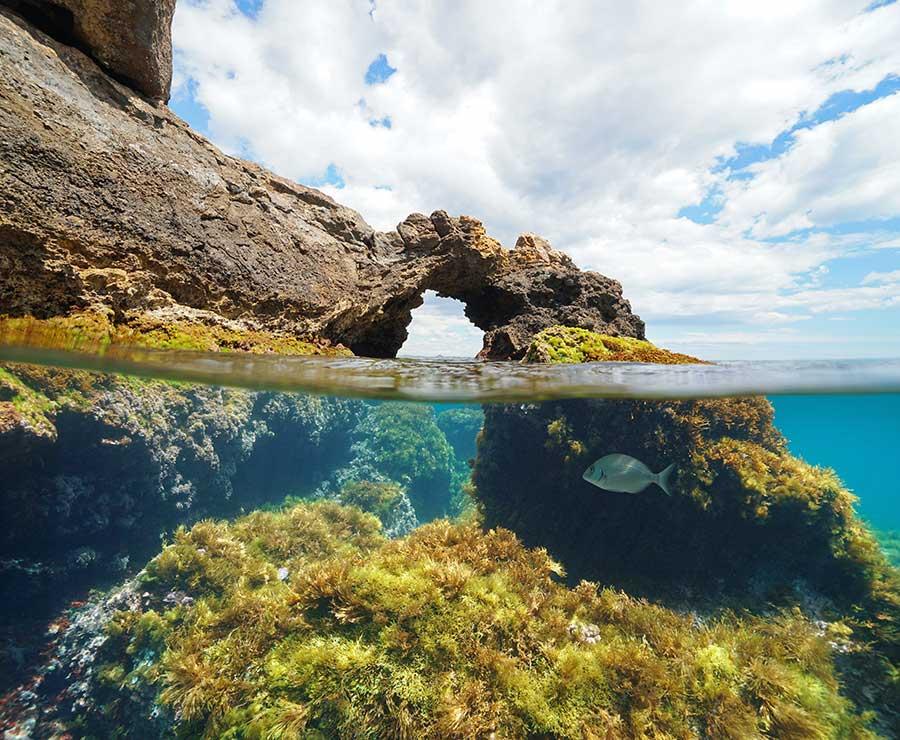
(735, 164)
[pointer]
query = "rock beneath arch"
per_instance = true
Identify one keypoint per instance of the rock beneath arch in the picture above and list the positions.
(110, 203)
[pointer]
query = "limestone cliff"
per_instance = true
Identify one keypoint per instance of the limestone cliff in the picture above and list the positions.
(110, 203)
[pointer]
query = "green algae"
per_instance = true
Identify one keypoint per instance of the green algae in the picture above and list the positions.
(449, 632)
(97, 333)
(748, 523)
(409, 447)
(567, 344)
(376, 498)
(23, 403)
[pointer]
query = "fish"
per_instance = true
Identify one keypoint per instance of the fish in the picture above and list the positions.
(626, 474)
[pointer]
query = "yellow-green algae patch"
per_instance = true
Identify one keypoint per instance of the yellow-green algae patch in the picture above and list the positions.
(21, 404)
(96, 333)
(307, 623)
(747, 524)
(568, 344)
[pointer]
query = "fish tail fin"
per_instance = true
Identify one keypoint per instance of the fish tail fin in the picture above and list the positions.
(664, 479)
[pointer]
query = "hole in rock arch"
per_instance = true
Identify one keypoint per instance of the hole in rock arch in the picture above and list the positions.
(439, 328)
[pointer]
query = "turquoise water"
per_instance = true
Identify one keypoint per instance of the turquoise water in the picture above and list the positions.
(858, 437)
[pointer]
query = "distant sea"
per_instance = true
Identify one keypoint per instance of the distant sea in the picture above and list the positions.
(858, 437)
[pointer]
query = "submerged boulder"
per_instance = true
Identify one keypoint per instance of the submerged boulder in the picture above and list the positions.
(94, 469)
(747, 525)
(451, 632)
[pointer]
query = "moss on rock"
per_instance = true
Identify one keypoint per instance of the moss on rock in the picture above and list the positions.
(747, 523)
(97, 333)
(94, 468)
(450, 632)
(568, 344)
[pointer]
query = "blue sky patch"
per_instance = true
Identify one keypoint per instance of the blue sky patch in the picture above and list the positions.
(379, 70)
(878, 226)
(332, 177)
(186, 106)
(250, 8)
(835, 107)
(706, 210)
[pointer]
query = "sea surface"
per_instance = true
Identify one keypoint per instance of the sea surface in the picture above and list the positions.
(103, 458)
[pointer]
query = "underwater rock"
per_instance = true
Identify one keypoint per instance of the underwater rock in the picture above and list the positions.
(451, 632)
(747, 523)
(216, 242)
(386, 500)
(114, 462)
(403, 467)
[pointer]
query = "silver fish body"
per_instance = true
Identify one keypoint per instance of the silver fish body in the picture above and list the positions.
(626, 474)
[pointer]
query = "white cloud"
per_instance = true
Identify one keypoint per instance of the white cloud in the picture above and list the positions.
(440, 329)
(592, 123)
(882, 277)
(839, 171)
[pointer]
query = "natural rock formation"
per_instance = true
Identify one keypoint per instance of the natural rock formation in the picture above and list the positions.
(94, 469)
(111, 204)
(131, 39)
(306, 623)
(747, 525)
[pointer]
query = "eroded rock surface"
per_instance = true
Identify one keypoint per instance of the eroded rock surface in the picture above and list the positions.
(131, 39)
(111, 203)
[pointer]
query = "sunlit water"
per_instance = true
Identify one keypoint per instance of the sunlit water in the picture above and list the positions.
(478, 382)
(104, 467)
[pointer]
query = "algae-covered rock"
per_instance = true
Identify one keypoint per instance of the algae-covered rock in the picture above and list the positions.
(404, 444)
(104, 465)
(452, 632)
(97, 333)
(568, 344)
(748, 524)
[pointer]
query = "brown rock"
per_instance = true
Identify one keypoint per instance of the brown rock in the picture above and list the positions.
(108, 202)
(131, 39)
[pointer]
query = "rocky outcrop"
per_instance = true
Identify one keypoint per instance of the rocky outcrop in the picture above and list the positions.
(747, 525)
(131, 39)
(306, 623)
(94, 469)
(97, 468)
(111, 203)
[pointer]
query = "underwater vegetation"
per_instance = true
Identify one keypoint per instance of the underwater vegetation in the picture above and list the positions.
(94, 468)
(308, 623)
(567, 344)
(83, 452)
(409, 444)
(748, 524)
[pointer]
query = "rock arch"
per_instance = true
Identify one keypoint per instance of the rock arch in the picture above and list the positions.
(216, 240)
(509, 294)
